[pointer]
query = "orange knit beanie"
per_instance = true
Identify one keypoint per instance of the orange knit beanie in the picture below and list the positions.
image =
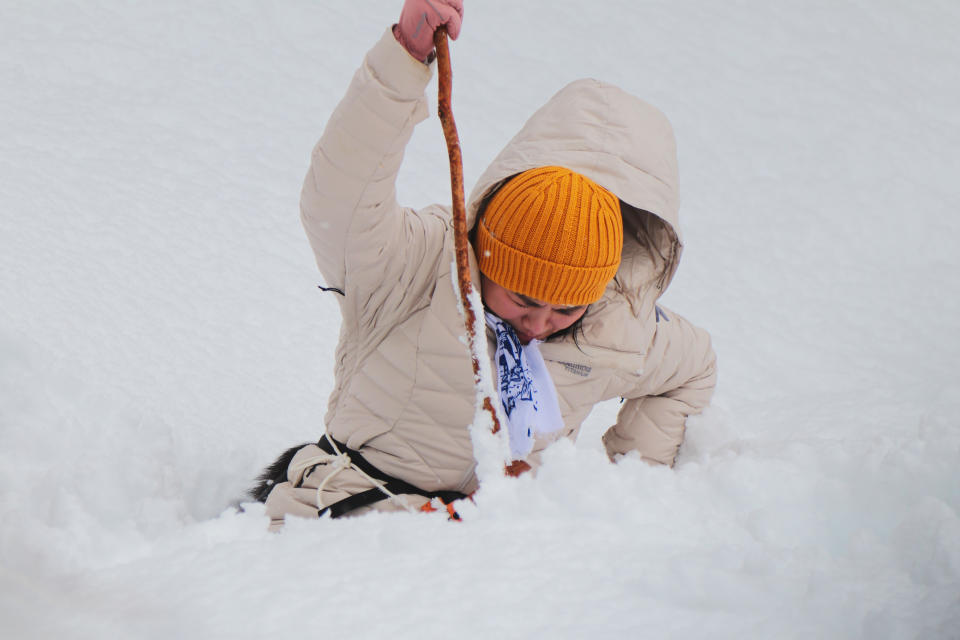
(553, 235)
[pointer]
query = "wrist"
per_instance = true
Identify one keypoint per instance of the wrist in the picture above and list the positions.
(395, 68)
(398, 35)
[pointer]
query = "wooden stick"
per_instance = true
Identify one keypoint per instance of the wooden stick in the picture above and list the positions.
(461, 244)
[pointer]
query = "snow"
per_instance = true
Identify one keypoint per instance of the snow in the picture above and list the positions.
(491, 451)
(162, 336)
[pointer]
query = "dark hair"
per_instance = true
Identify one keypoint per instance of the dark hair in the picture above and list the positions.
(571, 330)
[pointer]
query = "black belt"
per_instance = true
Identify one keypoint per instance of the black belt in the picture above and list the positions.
(396, 486)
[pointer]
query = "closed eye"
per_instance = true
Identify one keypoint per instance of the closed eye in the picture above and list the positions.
(568, 311)
(527, 303)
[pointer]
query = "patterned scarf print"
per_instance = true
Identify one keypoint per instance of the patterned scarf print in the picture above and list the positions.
(526, 389)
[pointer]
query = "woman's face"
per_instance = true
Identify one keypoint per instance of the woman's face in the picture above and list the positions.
(530, 318)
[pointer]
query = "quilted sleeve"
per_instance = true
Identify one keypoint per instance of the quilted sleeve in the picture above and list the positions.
(682, 373)
(366, 245)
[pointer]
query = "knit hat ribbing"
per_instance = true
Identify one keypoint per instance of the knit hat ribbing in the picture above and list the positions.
(553, 235)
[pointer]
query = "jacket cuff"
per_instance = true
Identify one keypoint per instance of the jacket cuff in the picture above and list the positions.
(399, 72)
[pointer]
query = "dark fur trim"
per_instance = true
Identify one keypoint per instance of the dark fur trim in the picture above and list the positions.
(274, 474)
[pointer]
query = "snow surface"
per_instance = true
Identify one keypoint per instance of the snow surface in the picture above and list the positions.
(162, 337)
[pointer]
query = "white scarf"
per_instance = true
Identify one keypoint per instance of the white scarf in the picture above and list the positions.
(527, 393)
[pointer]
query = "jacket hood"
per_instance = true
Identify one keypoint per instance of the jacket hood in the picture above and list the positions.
(623, 144)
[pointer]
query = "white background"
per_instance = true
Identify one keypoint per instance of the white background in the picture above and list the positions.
(162, 336)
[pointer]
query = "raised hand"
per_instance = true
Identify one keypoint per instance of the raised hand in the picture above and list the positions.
(420, 18)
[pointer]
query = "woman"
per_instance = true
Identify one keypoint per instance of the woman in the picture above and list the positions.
(575, 237)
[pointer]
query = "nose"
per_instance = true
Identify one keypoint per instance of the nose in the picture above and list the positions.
(535, 322)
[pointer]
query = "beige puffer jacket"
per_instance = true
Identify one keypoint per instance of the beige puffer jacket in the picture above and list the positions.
(404, 393)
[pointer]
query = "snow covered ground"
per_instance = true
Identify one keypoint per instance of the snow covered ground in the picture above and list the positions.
(162, 336)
